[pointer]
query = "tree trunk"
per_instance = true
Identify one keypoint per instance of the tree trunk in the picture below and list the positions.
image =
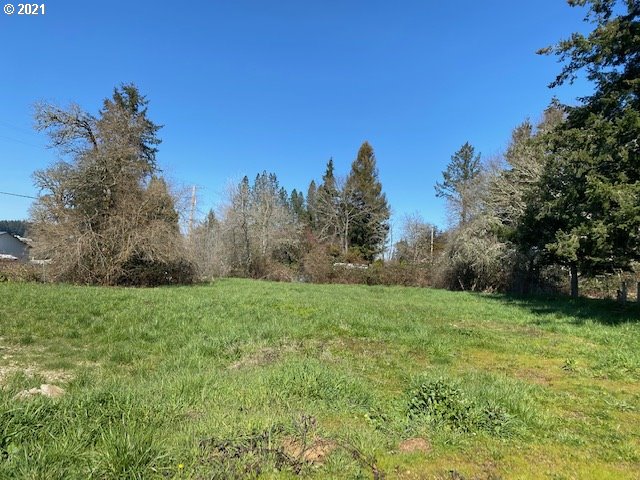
(622, 293)
(345, 245)
(574, 280)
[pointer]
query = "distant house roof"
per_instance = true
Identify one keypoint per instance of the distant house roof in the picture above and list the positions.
(26, 241)
(13, 247)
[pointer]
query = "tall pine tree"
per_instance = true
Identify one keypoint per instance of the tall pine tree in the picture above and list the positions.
(369, 228)
(459, 180)
(326, 200)
(312, 212)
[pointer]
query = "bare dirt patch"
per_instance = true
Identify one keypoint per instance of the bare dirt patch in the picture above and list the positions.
(12, 362)
(415, 444)
(315, 451)
(263, 356)
(47, 390)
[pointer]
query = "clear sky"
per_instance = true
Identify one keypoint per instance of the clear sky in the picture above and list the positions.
(244, 86)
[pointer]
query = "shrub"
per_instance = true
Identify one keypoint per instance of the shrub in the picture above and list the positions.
(279, 272)
(147, 273)
(444, 404)
(20, 272)
(317, 265)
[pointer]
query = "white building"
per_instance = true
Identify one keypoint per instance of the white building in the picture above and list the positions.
(13, 247)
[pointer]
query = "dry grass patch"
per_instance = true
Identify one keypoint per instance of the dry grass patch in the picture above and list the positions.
(529, 368)
(313, 451)
(13, 361)
(416, 444)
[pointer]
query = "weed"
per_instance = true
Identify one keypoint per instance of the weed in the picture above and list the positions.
(246, 456)
(569, 365)
(443, 404)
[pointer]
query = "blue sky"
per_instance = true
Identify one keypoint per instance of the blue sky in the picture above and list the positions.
(244, 86)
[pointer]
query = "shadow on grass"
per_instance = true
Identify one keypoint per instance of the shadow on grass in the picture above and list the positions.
(579, 311)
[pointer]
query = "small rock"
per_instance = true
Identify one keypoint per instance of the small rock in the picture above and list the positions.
(27, 393)
(51, 391)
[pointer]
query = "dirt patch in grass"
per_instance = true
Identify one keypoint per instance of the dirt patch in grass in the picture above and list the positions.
(248, 456)
(263, 356)
(416, 444)
(314, 452)
(11, 364)
(51, 376)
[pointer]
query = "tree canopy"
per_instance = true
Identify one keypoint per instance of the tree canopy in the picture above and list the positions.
(369, 229)
(458, 181)
(105, 215)
(586, 211)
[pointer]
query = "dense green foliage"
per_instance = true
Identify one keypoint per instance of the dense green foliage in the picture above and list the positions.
(586, 209)
(369, 230)
(218, 381)
(567, 194)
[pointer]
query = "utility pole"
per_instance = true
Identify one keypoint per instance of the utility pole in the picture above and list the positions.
(193, 208)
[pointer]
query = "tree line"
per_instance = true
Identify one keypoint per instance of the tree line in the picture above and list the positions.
(14, 227)
(564, 196)
(568, 193)
(263, 231)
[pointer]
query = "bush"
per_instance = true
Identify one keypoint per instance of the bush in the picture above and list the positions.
(147, 273)
(20, 272)
(607, 285)
(279, 272)
(443, 404)
(405, 274)
(476, 260)
(317, 265)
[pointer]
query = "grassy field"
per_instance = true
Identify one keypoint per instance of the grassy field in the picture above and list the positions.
(240, 379)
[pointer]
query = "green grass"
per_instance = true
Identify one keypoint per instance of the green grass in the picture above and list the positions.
(215, 381)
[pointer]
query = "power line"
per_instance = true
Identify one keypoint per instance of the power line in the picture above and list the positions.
(21, 141)
(16, 127)
(18, 195)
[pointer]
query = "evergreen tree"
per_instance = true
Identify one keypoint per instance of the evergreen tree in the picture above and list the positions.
(160, 205)
(586, 211)
(369, 228)
(312, 213)
(297, 206)
(327, 205)
(211, 222)
(328, 179)
(459, 181)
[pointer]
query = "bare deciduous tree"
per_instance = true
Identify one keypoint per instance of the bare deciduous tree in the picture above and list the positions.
(104, 217)
(418, 239)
